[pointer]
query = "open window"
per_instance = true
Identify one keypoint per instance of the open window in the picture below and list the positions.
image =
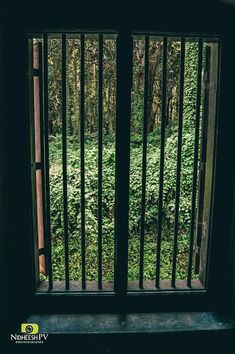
(123, 143)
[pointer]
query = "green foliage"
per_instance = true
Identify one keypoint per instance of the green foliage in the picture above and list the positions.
(74, 220)
(152, 186)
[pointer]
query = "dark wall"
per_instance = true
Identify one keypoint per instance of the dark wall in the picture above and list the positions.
(2, 179)
(232, 255)
(15, 206)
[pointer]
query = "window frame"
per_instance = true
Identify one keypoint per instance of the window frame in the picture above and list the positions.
(216, 296)
(124, 299)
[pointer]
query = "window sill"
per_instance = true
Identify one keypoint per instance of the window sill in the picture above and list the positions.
(171, 322)
(163, 333)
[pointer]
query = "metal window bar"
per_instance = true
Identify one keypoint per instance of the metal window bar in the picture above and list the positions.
(180, 130)
(144, 161)
(82, 157)
(100, 157)
(64, 155)
(163, 123)
(195, 165)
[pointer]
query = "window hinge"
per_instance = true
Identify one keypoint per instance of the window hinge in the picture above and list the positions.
(36, 72)
(38, 165)
(41, 251)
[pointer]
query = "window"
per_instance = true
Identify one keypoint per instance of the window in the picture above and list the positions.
(123, 141)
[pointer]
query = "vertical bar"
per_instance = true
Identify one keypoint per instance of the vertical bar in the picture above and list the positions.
(115, 199)
(195, 164)
(205, 117)
(123, 111)
(47, 163)
(144, 161)
(64, 156)
(82, 157)
(100, 158)
(180, 128)
(162, 155)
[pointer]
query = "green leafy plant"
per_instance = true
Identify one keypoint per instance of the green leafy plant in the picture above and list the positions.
(108, 195)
